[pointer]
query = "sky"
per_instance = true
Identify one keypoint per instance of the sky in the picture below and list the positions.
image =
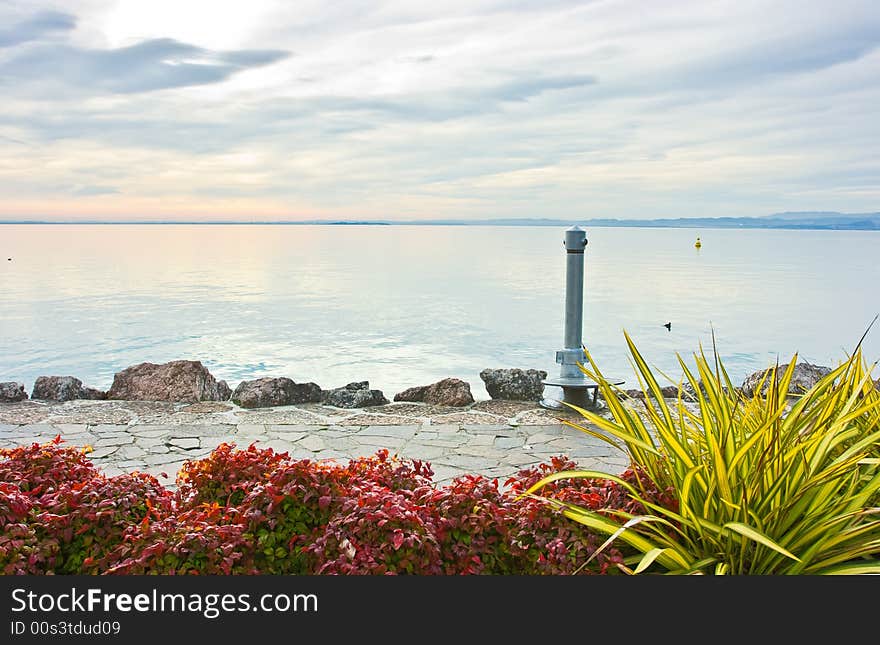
(288, 110)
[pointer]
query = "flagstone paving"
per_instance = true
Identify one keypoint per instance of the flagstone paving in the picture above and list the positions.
(492, 438)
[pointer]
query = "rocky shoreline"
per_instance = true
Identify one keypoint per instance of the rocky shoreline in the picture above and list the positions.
(187, 381)
(440, 422)
(186, 390)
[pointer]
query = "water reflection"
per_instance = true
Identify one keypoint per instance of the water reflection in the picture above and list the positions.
(404, 306)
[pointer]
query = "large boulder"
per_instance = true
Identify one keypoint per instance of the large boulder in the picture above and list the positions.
(354, 395)
(805, 376)
(224, 390)
(63, 388)
(10, 392)
(180, 381)
(667, 391)
(269, 392)
(449, 391)
(514, 384)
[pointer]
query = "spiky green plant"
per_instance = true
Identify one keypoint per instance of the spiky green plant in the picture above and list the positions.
(765, 484)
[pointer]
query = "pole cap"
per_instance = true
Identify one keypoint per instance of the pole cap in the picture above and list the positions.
(575, 239)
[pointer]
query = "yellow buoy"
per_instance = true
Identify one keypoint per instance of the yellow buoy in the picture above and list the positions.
(698, 244)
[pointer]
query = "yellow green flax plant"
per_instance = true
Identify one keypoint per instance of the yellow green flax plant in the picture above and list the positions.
(773, 483)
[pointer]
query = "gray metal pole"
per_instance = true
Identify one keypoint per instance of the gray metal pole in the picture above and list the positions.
(575, 242)
(573, 382)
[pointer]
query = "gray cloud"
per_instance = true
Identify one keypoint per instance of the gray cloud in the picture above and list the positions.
(146, 66)
(526, 88)
(784, 55)
(486, 108)
(322, 116)
(91, 191)
(36, 27)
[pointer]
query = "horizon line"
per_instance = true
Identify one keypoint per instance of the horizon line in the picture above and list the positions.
(827, 219)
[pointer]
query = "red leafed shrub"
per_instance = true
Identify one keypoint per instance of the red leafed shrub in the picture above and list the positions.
(378, 531)
(637, 478)
(226, 475)
(283, 513)
(88, 518)
(595, 494)
(392, 472)
(472, 518)
(545, 541)
(21, 552)
(44, 468)
(199, 541)
(255, 511)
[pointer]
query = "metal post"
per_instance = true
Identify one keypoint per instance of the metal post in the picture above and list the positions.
(575, 243)
(573, 382)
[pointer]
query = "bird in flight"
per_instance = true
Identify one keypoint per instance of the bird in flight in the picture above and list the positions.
(668, 326)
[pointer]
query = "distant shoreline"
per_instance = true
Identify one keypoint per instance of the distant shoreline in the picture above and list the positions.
(818, 221)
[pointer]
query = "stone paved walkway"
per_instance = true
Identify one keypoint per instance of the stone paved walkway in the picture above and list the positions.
(490, 438)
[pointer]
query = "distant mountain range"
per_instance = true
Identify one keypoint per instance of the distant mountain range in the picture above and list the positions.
(819, 220)
(789, 220)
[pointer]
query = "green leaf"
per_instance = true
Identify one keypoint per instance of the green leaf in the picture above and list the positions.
(752, 534)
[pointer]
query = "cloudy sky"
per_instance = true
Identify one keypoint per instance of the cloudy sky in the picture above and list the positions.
(303, 109)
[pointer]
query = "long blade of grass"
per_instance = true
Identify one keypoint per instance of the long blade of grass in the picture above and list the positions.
(752, 534)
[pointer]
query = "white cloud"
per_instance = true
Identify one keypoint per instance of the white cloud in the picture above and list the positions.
(393, 109)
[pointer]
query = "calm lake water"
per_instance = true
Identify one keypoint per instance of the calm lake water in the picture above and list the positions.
(408, 305)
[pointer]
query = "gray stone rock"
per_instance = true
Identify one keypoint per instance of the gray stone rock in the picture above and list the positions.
(354, 395)
(413, 394)
(306, 393)
(224, 390)
(64, 388)
(180, 381)
(668, 392)
(805, 376)
(269, 392)
(449, 391)
(514, 384)
(56, 388)
(10, 392)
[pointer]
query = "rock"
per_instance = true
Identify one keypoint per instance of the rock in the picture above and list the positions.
(449, 391)
(63, 388)
(56, 388)
(413, 395)
(514, 384)
(306, 393)
(269, 392)
(354, 395)
(805, 376)
(181, 381)
(668, 392)
(10, 392)
(223, 390)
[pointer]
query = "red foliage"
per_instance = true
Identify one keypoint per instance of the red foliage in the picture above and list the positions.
(198, 541)
(283, 513)
(472, 518)
(21, 552)
(89, 517)
(378, 531)
(255, 511)
(43, 468)
(548, 542)
(389, 471)
(225, 476)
